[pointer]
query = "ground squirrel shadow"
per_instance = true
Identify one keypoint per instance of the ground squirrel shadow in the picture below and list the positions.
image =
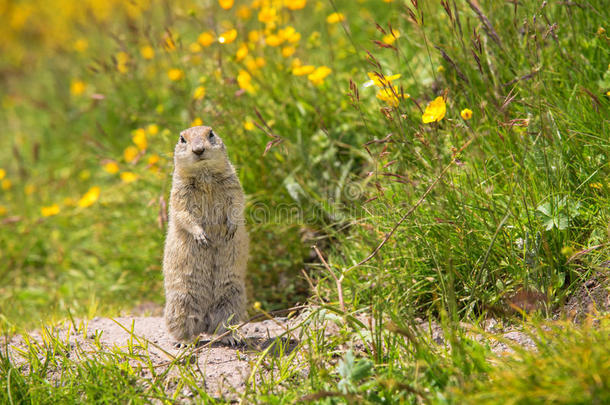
(281, 345)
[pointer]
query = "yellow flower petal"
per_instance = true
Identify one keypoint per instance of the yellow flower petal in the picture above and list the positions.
(317, 76)
(130, 153)
(303, 70)
(466, 114)
(335, 18)
(128, 177)
(199, 93)
(147, 52)
(152, 129)
(295, 4)
(50, 210)
(228, 36)
(175, 74)
(77, 87)
(90, 197)
(435, 111)
(139, 138)
(226, 4)
(206, 39)
(111, 167)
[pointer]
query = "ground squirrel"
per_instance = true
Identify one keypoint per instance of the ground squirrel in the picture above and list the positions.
(207, 245)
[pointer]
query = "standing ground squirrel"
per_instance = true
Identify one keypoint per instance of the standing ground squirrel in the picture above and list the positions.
(206, 249)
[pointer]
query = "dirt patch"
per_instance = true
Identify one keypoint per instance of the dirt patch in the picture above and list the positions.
(224, 370)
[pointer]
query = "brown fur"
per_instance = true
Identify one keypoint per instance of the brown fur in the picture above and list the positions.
(206, 248)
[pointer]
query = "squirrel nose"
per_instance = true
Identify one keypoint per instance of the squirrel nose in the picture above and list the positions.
(198, 150)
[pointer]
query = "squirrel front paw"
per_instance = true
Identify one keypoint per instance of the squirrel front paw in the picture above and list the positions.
(202, 239)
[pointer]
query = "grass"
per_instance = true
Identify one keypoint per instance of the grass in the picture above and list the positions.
(515, 198)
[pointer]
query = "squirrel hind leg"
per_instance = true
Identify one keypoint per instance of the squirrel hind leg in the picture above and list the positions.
(228, 310)
(184, 319)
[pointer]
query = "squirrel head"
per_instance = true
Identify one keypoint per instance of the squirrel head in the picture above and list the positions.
(199, 148)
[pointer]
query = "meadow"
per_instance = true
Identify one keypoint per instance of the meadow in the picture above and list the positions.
(447, 159)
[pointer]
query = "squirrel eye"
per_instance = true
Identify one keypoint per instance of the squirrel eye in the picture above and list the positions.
(182, 139)
(211, 135)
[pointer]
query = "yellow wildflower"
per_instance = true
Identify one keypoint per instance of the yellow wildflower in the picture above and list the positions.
(390, 95)
(228, 36)
(2, 211)
(206, 39)
(244, 12)
(199, 93)
(152, 159)
(257, 306)
(273, 40)
(382, 81)
(254, 36)
(152, 129)
(77, 87)
(317, 76)
(435, 111)
(295, 4)
(251, 64)
(81, 45)
(6, 184)
(296, 37)
(286, 33)
(440, 69)
(50, 210)
(303, 70)
(226, 4)
(391, 37)
(139, 138)
(248, 125)
(197, 122)
(111, 167)
(596, 185)
(242, 52)
(244, 81)
(169, 41)
(260, 62)
(147, 52)
(288, 51)
(122, 59)
(466, 114)
(130, 154)
(335, 18)
(128, 177)
(267, 15)
(175, 74)
(2, 173)
(90, 197)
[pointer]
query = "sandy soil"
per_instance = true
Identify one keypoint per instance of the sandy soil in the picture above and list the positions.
(225, 370)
